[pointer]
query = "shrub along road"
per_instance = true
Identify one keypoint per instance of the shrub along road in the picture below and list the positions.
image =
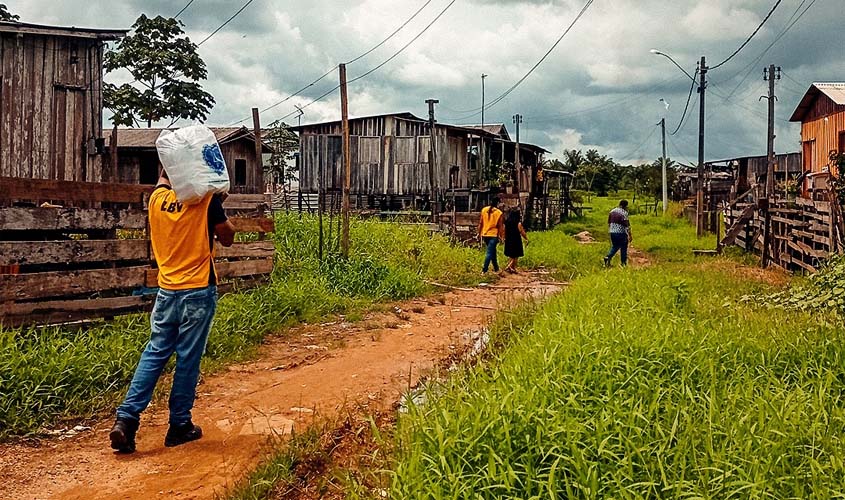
(314, 371)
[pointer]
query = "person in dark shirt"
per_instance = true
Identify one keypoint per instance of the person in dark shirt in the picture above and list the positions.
(514, 234)
(620, 233)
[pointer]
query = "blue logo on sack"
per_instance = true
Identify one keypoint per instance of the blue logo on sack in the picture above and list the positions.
(214, 158)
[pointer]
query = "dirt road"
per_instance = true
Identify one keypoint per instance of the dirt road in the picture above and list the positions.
(310, 371)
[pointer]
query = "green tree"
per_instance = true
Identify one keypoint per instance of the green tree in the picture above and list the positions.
(284, 143)
(5, 15)
(167, 67)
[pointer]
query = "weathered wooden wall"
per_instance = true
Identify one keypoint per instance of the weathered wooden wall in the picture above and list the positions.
(391, 164)
(87, 254)
(243, 149)
(50, 106)
(820, 132)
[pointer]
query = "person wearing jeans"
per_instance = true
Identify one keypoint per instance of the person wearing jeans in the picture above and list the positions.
(620, 233)
(491, 230)
(182, 238)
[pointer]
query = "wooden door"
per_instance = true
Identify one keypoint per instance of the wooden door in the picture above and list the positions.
(69, 158)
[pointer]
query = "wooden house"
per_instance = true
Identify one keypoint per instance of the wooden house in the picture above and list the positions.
(390, 168)
(51, 101)
(138, 160)
(822, 116)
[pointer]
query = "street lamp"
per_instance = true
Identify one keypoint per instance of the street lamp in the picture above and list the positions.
(702, 85)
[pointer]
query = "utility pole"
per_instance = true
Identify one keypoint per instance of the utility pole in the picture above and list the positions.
(483, 76)
(347, 163)
(770, 74)
(432, 158)
(665, 187)
(699, 197)
(517, 119)
(259, 150)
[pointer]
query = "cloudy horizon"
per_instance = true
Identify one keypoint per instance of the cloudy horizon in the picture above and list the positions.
(600, 88)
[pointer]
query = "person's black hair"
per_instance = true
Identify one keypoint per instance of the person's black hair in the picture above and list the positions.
(623, 203)
(514, 216)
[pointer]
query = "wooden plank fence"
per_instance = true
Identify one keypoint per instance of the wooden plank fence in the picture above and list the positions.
(72, 251)
(803, 232)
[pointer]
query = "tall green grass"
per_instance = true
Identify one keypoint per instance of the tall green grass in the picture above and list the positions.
(50, 374)
(648, 383)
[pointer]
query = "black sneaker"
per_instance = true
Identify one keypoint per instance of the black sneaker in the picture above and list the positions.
(122, 435)
(606, 262)
(181, 434)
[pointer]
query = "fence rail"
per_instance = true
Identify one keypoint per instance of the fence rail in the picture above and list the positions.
(804, 232)
(73, 251)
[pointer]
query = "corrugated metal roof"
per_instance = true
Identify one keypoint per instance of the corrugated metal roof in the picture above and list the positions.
(71, 31)
(834, 90)
(498, 129)
(145, 138)
(404, 115)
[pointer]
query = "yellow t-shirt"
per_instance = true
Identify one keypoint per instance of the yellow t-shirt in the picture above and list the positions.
(490, 221)
(182, 241)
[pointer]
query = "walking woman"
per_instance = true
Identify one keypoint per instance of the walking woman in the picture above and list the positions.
(514, 234)
(491, 230)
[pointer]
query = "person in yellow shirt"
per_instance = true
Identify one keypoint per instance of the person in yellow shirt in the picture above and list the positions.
(182, 238)
(491, 230)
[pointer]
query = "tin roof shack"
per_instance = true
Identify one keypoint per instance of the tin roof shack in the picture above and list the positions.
(822, 116)
(138, 160)
(751, 171)
(390, 168)
(51, 101)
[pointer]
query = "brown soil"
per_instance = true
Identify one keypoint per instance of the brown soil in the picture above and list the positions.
(312, 371)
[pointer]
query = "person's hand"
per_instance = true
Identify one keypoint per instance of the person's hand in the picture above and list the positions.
(630, 238)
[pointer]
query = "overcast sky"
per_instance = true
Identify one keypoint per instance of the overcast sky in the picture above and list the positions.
(599, 88)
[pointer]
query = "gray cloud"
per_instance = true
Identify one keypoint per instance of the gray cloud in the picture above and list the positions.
(600, 87)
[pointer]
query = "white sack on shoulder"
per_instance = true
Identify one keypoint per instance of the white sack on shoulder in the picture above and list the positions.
(193, 161)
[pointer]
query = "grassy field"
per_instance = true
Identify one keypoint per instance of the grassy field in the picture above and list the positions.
(656, 382)
(50, 374)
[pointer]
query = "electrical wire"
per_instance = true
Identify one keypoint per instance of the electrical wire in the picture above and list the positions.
(236, 14)
(378, 66)
(497, 100)
(330, 71)
(183, 9)
(390, 35)
(772, 11)
(789, 24)
(639, 147)
(686, 106)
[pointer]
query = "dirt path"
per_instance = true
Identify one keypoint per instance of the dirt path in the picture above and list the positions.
(313, 370)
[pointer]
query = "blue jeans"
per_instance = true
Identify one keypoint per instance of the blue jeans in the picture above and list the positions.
(490, 242)
(180, 323)
(619, 243)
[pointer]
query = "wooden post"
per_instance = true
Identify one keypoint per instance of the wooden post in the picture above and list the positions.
(113, 155)
(432, 158)
(347, 163)
(257, 177)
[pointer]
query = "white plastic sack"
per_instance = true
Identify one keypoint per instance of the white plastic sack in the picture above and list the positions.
(193, 161)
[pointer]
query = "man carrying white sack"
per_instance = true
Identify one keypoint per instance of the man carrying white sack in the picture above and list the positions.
(182, 238)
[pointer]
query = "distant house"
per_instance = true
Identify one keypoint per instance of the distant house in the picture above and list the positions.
(822, 116)
(51, 101)
(138, 159)
(390, 167)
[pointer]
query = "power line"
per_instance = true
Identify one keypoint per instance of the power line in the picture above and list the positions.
(390, 35)
(380, 65)
(499, 99)
(236, 14)
(639, 147)
(330, 71)
(686, 106)
(772, 11)
(183, 9)
(789, 24)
